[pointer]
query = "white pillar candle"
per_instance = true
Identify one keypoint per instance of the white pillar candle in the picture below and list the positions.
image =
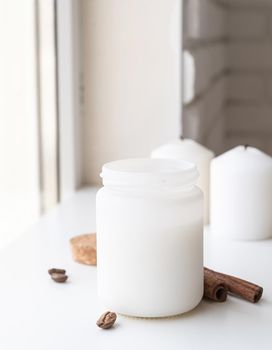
(241, 194)
(191, 151)
(149, 237)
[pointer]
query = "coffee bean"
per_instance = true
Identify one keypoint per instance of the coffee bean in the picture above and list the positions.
(54, 270)
(59, 277)
(106, 320)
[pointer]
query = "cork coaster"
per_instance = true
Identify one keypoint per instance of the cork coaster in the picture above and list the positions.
(84, 248)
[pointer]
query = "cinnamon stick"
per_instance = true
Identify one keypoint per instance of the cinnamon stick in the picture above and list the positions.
(214, 288)
(238, 287)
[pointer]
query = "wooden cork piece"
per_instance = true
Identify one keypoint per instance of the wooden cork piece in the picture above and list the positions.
(84, 248)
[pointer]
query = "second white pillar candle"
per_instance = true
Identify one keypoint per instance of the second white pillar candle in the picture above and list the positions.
(241, 194)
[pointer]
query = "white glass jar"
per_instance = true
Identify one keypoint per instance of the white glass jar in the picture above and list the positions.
(150, 237)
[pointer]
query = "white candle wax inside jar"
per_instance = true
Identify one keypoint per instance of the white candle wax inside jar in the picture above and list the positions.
(187, 149)
(149, 237)
(241, 194)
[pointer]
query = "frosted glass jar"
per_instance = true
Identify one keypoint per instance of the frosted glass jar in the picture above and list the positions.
(150, 237)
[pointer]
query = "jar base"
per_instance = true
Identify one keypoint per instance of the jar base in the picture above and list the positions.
(178, 315)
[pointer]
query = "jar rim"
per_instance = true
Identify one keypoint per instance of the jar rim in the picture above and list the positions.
(149, 172)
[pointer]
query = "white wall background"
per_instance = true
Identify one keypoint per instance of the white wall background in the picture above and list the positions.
(132, 64)
(19, 187)
(132, 76)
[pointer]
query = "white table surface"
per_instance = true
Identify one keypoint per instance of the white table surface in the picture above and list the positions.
(36, 313)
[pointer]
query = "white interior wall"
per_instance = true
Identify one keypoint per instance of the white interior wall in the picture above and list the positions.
(132, 78)
(131, 49)
(19, 185)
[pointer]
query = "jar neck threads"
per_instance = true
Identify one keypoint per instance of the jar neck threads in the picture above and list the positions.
(149, 173)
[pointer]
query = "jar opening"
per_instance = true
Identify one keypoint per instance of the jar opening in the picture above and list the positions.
(150, 172)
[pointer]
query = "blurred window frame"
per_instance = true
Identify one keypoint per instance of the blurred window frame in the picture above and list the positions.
(70, 94)
(59, 85)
